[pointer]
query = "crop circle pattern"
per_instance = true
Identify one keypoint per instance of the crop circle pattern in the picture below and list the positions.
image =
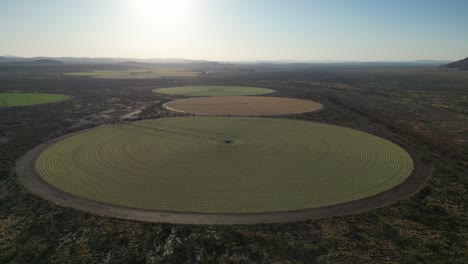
(224, 165)
(26, 99)
(212, 90)
(242, 106)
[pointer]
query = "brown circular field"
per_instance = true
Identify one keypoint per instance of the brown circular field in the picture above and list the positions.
(242, 106)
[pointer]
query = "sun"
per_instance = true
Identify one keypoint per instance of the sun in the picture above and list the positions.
(166, 13)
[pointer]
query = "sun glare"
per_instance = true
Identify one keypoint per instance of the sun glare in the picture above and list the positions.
(164, 13)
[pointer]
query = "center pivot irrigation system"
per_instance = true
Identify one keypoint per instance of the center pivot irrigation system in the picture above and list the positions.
(221, 170)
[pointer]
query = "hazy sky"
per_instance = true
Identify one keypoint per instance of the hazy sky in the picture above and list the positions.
(237, 29)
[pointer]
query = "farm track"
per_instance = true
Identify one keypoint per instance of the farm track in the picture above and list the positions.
(29, 177)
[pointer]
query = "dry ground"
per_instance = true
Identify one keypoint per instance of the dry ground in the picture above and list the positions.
(243, 106)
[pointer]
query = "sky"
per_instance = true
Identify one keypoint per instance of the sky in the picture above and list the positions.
(237, 30)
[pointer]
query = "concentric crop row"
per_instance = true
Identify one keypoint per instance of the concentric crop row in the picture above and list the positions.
(185, 164)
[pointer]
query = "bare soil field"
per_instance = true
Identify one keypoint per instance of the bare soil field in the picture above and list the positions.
(243, 106)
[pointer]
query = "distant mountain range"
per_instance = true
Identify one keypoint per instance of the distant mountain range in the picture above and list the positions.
(432, 62)
(86, 60)
(460, 65)
(142, 62)
(39, 62)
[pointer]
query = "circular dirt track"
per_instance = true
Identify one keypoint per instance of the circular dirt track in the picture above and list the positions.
(193, 91)
(242, 106)
(213, 170)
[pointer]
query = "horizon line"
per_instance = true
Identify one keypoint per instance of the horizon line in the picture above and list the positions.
(234, 61)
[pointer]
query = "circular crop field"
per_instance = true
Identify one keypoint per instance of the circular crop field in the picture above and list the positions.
(242, 106)
(25, 99)
(218, 165)
(213, 90)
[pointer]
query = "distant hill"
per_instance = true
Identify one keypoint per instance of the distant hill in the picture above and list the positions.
(10, 59)
(29, 61)
(459, 65)
(140, 63)
(45, 62)
(133, 63)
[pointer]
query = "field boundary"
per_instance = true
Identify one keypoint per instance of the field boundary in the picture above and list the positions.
(28, 177)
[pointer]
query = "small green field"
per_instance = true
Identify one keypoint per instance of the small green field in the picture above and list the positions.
(137, 73)
(25, 99)
(224, 165)
(213, 90)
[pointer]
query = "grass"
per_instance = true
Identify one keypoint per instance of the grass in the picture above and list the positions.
(224, 165)
(25, 99)
(213, 90)
(137, 73)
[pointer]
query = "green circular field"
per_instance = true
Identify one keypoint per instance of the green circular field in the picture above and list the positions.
(25, 99)
(224, 165)
(213, 90)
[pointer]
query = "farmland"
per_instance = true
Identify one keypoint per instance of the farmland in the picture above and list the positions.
(234, 132)
(150, 73)
(231, 165)
(243, 106)
(420, 109)
(213, 90)
(25, 99)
